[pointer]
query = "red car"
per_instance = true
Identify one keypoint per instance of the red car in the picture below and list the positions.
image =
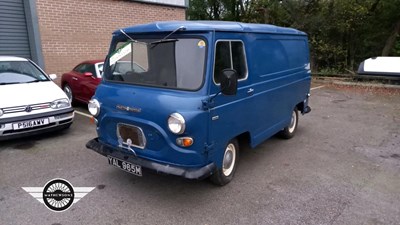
(81, 83)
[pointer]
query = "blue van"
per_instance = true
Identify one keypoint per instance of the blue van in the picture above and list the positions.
(179, 97)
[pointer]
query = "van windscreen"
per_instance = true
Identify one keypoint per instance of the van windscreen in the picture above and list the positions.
(170, 63)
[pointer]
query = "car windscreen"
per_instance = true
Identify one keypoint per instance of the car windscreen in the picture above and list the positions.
(170, 63)
(15, 72)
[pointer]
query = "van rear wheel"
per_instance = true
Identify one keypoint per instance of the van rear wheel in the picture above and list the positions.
(225, 174)
(289, 131)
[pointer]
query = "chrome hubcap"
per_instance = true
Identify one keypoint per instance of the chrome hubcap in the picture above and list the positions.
(292, 122)
(229, 160)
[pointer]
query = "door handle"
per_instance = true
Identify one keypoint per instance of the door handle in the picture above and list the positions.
(74, 78)
(250, 91)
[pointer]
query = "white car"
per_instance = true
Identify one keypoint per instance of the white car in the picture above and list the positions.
(30, 102)
(380, 66)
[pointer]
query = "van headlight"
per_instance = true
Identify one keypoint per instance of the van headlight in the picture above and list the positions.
(60, 103)
(1, 112)
(94, 107)
(176, 123)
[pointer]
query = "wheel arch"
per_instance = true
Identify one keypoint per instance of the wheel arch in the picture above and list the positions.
(63, 83)
(244, 139)
(300, 106)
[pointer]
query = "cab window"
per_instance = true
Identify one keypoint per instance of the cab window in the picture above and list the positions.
(230, 55)
(80, 68)
(83, 68)
(91, 69)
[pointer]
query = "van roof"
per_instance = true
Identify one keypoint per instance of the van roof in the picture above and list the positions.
(169, 26)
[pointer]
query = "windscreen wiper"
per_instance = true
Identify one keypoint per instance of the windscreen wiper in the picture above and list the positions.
(131, 39)
(33, 81)
(4, 83)
(123, 32)
(154, 43)
(164, 39)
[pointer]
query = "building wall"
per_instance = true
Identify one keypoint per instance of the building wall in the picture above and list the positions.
(72, 31)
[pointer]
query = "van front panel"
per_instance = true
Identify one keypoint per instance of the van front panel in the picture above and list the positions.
(148, 109)
(146, 81)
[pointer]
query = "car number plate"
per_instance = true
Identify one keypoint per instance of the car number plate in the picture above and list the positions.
(30, 123)
(126, 166)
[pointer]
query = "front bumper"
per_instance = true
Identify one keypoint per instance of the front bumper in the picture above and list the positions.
(58, 120)
(189, 173)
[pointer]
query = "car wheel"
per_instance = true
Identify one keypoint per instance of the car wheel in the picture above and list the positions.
(289, 131)
(68, 91)
(65, 129)
(225, 174)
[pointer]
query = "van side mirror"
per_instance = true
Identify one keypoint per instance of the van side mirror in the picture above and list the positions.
(229, 82)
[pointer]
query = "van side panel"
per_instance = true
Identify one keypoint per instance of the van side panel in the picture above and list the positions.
(279, 66)
(278, 79)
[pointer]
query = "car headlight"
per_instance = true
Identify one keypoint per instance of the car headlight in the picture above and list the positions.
(60, 103)
(176, 123)
(1, 112)
(94, 107)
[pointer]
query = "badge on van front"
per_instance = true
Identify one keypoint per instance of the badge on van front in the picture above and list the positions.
(129, 109)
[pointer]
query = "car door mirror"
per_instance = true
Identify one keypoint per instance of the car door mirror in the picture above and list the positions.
(53, 76)
(87, 74)
(229, 81)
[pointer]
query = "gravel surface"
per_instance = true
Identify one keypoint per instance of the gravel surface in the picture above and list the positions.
(342, 167)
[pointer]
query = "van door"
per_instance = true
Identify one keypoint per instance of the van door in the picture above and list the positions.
(229, 113)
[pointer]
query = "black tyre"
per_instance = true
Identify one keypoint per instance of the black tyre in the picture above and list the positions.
(229, 163)
(68, 91)
(289, 131)
(67, 127)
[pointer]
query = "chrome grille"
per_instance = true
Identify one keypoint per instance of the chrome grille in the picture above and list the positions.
(129, 135)
(17, 109)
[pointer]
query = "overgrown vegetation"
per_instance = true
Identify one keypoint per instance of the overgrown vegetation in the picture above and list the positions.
(342, 33)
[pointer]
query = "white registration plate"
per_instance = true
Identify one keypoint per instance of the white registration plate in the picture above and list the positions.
(30, 123)
(126, 166)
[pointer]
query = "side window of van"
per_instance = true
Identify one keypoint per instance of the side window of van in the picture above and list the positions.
(230, 54)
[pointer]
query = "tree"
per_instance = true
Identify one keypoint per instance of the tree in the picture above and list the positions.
(342, 33)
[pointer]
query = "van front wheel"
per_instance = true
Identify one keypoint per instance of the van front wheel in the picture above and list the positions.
(225, 174)
(289, 131)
